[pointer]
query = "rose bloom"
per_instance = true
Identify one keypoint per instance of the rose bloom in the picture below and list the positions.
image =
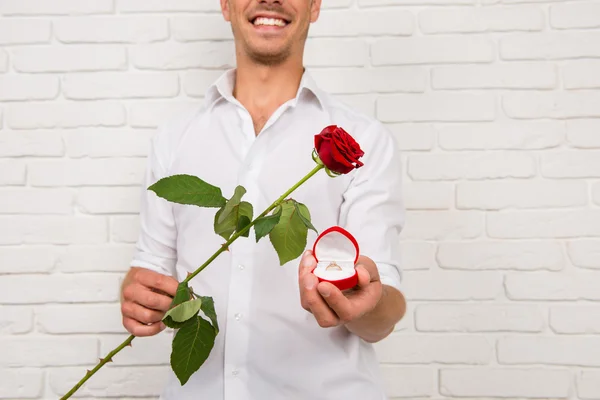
(338, 151)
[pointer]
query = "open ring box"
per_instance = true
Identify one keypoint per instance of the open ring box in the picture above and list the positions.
(336, 252)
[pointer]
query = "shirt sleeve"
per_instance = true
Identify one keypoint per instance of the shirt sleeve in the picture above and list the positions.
(373, 207)
(155, 248)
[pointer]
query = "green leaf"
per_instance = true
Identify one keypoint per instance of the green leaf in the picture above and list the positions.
(263, 226)
(191, 347)
(208, 308)
(230, 223)
(304, 215)
(182, 295)
(188, 189)
(184, 311)
(289, 235)
(238, 193)
(243, 222)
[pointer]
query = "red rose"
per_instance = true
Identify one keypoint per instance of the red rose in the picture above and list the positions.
(338, 151)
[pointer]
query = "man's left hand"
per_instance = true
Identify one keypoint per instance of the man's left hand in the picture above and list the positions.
(332, 307)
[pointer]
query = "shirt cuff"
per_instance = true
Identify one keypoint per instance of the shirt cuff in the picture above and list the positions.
(153, 265)
(389, 275)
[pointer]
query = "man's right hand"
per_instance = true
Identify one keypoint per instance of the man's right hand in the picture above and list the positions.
(145, 298)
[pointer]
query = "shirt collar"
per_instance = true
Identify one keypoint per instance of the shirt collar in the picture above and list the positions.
(222, 88)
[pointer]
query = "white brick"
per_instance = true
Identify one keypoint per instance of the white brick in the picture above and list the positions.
(69, 58)
(154, 350)
(558, 105)
(372, 3)
(489, 2)
(588, 385)
(87, 172)
(582, 74)
(471, 166)
(41, 351)
(575, 15)
(520, 194)
(337, 4)
(108, 143)
(429, 196)
(575, 351)
(470, 318)
(417, 255)
(36, 201)
(96, 258)
(501, 135)
(443, 225)
(18, 87)
(12, 172)
(56, 7)
(151, 114)
(24, 31)
(3, 61)
(21, 383)
(52, 230)
(19, 144)
(393, 22)
(111, 382)
(16, 319)
(584, 253)
(436, 107)
(571, 164)
(504, 382)
(336, 53)
(166, 5)
(196, 83)
(27, 259)
(413, 136)
(522, 255)
(105, 200)
(124, 229)
(66, 288)
(361, 80)
(544, 224)
(451, 285)
(408, 382)
(553, 286)
(503, 76)
(583, 133)
(90, 86)
(432, 50)
(426, 349)
(363, 103)
(92, 318)
(112, 29)
(550, 46)
(172, 56)
(65, 115)
(596, 193)
(575, 319)
(480, 19)
(201, 27)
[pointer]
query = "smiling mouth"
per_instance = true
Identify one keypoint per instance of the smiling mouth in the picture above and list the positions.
(265, 21)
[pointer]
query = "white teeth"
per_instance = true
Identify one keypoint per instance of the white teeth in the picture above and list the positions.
(269, 21)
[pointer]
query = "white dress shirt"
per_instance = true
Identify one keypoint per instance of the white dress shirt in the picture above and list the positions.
(269, 347)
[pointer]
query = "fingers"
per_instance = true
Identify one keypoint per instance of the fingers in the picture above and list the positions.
(137, 329)
(143, 296)
(139, 313)
(335, 299)
(313, 302)
(307, 263)
(364, 277)
(154, 280)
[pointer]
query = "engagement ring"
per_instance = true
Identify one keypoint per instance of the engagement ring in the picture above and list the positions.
(333, 265)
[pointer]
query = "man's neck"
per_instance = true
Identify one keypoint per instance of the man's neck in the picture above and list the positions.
(262, 89)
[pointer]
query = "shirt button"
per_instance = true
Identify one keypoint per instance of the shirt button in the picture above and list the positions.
(235, 372)
(238, 316)
(241, 267)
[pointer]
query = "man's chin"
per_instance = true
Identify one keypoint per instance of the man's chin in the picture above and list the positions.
(269, 57)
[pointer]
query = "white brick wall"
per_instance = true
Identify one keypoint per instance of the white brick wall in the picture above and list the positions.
(495, 105)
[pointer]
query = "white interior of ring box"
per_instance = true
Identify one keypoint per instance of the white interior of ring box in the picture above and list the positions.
(335, 247)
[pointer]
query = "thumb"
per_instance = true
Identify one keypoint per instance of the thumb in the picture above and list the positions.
(307, 262)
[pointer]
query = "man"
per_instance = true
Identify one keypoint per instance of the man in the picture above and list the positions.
(283, 334)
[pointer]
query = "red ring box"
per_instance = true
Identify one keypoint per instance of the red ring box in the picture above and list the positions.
(337, 245)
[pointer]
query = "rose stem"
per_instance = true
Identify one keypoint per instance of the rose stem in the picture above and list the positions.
(190, 276)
